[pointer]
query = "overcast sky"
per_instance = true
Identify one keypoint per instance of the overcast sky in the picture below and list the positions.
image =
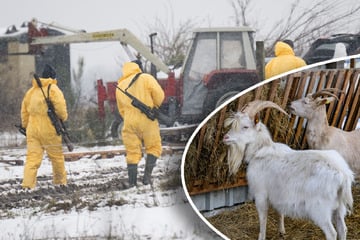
(134, 14)
(137, 15)
(112, 14)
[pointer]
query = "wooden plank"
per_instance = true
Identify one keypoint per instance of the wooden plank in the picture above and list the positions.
(322, 81)
(314, 76)
(200, 141)
(220, 125)
(14, 162)
(285, 100)
(293, 81)
(74, 156)
(333, 106)
(200, 189)
(240, 103)
(271, 97)
(311, 81)
(338, 78)
(300, 92)
(354, 105)
(330, 78)
(342, 103)
(258, 91)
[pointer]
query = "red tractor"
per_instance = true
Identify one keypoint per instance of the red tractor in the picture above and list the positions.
(220, 63)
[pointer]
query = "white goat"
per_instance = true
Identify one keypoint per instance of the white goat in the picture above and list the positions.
(308, 184)
(320, 135)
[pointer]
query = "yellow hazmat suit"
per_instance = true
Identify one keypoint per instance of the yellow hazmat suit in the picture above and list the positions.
(40, 133)
(137, 127)
(285, 60)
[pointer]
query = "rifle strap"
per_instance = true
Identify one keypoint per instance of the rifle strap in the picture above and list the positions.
(133, 80)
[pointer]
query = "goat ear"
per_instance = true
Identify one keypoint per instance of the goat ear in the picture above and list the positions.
(329, 100)
(256, 119)
(326, 100)
(321, 101)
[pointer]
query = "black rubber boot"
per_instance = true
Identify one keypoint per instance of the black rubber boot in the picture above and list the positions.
(149, 166)
(132, 174)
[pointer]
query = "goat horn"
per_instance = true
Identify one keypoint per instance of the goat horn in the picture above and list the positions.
(327, 92)
(252, 108)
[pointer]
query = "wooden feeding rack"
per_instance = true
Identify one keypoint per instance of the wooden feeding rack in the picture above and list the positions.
(205, 167)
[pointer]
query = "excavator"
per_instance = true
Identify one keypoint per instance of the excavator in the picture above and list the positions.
(220, 63)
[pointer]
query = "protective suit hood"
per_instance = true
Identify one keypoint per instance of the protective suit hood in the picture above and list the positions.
(282, 48)
(129, 68)
(44, 82)
(284, 61)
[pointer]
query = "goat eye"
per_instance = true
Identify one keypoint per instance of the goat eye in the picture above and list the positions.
(245, 127)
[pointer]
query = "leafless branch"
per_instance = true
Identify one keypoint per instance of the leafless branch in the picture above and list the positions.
(302, 24)
(172, 40)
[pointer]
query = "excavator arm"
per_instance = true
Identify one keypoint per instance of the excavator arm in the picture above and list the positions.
(123, 35)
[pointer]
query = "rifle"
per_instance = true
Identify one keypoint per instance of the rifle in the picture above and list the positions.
(55, 120)
(21, 129)
(151, 113)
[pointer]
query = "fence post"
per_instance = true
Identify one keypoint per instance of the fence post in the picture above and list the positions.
(260, 59)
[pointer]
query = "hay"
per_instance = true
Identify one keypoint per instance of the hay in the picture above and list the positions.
(205, 162)
(242, 223)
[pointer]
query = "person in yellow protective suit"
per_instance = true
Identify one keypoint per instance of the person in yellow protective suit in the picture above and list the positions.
(138, 129)
(285, 60)
(40, 133)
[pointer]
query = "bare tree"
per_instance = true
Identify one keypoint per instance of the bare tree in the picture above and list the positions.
(12, 91)
(75, 101)
(172, 40)
(302, 24)
(241, 9)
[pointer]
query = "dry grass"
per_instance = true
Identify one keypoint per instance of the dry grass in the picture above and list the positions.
(206, 162)
(242, 223)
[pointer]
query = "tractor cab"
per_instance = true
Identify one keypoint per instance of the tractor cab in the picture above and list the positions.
(220, 63)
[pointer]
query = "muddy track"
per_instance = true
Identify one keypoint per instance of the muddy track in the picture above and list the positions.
(89, 191)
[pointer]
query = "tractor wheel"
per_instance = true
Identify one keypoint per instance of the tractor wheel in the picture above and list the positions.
(214, 100)
(225, 97)
(115, 128)
(116, 125)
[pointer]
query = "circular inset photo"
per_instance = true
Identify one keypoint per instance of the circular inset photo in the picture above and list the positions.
(281, 159)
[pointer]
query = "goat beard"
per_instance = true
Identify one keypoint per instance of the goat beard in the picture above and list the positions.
(235, 157)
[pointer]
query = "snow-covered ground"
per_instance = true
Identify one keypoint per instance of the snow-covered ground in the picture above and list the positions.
(96, 205)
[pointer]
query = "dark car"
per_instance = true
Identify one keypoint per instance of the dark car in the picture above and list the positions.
(323, 48)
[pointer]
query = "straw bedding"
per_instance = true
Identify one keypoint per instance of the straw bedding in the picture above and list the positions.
(242, 223)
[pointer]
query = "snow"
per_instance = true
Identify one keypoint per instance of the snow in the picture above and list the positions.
(137, 213)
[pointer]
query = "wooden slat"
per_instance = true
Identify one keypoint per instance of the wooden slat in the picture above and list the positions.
(284, 101)
(220, 124)
(201, 141)
(258, 92)
(274, 85)
(342, 103)
(322, 80)
(310, 80)
(204, 188)
(354, 105)
(15, 162)
(302, 91)
(336, 84)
